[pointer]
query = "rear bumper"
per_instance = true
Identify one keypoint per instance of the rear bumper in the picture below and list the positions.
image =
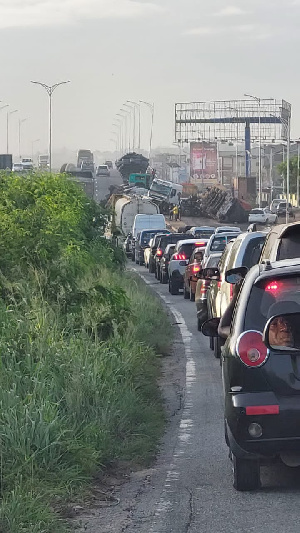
(280, 432)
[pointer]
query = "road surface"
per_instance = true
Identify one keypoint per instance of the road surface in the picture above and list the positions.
(102, 184)
(189, 489)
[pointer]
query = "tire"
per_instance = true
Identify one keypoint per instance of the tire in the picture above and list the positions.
(192, 295)
(246, 474)
(217, 348)
(199, 324)
(173, 289)
(151, 270)
(163, 278)
(132, 258)
(136, 261)
(211, 343)
(155, 273)
(141, 262)
(186, 294)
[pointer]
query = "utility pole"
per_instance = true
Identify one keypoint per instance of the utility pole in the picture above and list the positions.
(151, 107)
(21, 121)
(258, 100)
(50, 90)
(7, 127)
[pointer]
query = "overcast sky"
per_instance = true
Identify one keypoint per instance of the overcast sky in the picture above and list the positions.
(159, 51)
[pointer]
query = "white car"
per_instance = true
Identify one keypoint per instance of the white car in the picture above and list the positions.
(228, 229)
(262, 216)
(179, 260)
(27, 163)
(17, 167)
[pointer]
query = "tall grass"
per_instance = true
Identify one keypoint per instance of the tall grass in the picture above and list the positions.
(78, 365)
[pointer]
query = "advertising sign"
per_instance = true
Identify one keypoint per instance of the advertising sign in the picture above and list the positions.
(204, 163)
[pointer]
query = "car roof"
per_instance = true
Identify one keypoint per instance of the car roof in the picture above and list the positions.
(221, 229)
(284, 230)
(202, 227)
(275, 269)
(191, 241)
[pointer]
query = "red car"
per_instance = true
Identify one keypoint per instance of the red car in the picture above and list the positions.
(191, 273)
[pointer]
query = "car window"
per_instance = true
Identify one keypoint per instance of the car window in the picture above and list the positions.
(253, 251)
(233, 253)
(257, 212)
(213, 261)
(218, 244)
(145, 237)
(203, 234)
(186, 249)
(268, 292)
(289, 247)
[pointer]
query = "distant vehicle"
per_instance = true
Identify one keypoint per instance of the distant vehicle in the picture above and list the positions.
(44, 162)
(191, 274)
(142, 242)
(85, 160)
(149, 222)
(27, 163)
(218, 242)
(102, 170)
(164, 264)
(281, 210)
(202, 287)
(6, 162)
(202, 232)
(282, 242)
(262, 216)
(17, 167)
(166, 191)
(126, 208)
(274, 204)
(164, 240)
(109, 164)
(141, 180)
(227, 229)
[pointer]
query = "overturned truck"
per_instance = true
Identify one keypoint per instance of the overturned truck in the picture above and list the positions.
(219, 204)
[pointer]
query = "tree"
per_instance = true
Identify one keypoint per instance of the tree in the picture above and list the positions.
(282, 169)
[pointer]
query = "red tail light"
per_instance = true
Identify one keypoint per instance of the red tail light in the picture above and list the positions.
(231, 291)
(204, 286)
(251, 349)
(272, 287)
(179, 257)
(196, 268)
(159, 252)
(200, 243)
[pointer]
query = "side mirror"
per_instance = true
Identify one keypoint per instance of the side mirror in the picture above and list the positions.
(235, 275)
(281, 333)
(211, 274)
(210, 327)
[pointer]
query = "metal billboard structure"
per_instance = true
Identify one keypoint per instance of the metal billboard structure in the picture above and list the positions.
(263, 120)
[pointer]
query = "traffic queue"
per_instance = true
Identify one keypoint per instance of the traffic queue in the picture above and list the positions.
(246, 287)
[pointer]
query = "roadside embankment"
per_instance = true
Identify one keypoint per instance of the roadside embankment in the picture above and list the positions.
(78, 345)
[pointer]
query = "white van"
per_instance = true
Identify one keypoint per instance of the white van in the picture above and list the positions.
(142, 221)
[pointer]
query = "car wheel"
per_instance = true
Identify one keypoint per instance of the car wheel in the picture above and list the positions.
(136, 261)
(186, 294)
(151, 269)
(173, 289)
(155, 273)
(132, 258)
(141, 262)
(246, 474)
(192, 295)
(217, 347)
(163, 278)
(199, 324)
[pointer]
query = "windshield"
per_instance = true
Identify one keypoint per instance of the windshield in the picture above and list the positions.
(218, 244)
(102, 167)
(203, 233)
(161, 188)
(284, 292)
(145, 237)
(187, 249)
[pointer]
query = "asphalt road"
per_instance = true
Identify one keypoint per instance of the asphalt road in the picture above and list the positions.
(102, 184)
(192, 491)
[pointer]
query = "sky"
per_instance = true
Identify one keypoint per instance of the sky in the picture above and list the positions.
(160, 52)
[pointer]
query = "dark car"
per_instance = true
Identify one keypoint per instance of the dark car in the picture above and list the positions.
(261, 377)
(282, 242)
(152, 254)
(164, 264)
(164, 240)
(142, 241)
(281, 210)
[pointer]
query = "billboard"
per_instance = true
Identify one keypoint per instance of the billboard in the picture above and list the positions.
(204, 163)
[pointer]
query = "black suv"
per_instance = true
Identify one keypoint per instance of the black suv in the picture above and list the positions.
(164, 240)
(142, 241)
(261, 379)
(151, 265)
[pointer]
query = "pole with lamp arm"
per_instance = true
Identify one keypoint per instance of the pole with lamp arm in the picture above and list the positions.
(7, 127)
(138, 106)
(131, 108)
(151, 107)
(119, 125)
(50, 90)
(124, 117)
(32, 147)
(21, 121)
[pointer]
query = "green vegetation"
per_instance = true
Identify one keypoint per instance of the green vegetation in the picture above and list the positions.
(282, 169)
(78, 343)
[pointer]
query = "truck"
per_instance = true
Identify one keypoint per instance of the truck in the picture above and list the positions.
(6, 162)
(165, 192)
(44, 162)
(85, 160)
(141, 180)
(126, 208)
(132, 163)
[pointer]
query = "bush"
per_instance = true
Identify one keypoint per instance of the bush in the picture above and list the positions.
(78, 366)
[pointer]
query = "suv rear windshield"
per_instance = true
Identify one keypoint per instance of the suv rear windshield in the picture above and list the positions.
(170, 239)
(187, 249)
(284, 292)
(203, 233)
(146, 236)
(219, 244)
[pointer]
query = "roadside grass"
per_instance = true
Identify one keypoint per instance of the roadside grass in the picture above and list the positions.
(72, 403)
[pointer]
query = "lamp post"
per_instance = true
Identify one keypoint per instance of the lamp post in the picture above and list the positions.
(50, 90)
(120, 133)
(151, 107)
(32, 147)
(258, 100)
(128, 115)
(131, 108)
(21, 121)
(137, 105)
(9, 113)
(124, 117)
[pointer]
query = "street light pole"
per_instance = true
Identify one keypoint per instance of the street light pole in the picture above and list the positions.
(124, 117)
(136, 104)
(132, 107)
(7, 127)
(50, 90)
(21, 121)
(151, 107)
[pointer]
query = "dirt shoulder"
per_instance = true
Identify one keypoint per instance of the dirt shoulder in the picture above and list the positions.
(117, 492)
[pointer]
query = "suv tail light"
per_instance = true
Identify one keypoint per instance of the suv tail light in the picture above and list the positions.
(251, 349)
(204, 286)
(179, 257)
(196, 268)
(159, 252)
(200, 243)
